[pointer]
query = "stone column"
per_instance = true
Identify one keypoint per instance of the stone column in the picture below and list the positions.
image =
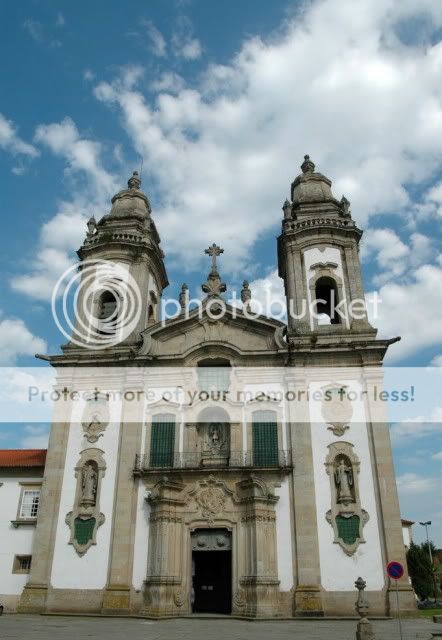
(165, 591)
(386, 490)
(34, 596)
(116, 598)
(308, 600)
(296, 290)
(260, 582)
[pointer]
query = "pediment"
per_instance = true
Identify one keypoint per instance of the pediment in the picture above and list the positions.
(235, 331)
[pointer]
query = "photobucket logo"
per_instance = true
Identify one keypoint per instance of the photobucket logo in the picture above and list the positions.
(97, 305)
(319, 311)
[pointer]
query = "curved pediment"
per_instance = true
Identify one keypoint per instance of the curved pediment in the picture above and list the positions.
(196, 334)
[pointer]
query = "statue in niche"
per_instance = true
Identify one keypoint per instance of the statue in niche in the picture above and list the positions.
(89, 484)
(344, 481)
(217, 440)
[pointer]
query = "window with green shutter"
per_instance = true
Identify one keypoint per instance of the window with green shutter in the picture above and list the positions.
(265, 439)
(162, 441)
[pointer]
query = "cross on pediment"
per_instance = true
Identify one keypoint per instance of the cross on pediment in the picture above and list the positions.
(214, 251)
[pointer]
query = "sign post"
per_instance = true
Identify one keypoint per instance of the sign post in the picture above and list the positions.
(395, 571)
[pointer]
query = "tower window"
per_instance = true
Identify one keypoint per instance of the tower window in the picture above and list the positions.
(108, 313)
(326, 295)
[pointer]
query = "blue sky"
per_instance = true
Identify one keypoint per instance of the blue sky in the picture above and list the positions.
(220, 101)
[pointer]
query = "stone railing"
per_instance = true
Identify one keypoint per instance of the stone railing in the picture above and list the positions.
(226, 461)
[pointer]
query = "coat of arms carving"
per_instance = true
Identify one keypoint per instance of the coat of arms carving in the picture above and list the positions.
(336, 409)
(211, 500)
(95, 418)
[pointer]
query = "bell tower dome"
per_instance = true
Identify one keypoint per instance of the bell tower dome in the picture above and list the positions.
(126, 240)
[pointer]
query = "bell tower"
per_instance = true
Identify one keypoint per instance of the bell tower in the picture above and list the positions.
(319, 262)
(123, 273)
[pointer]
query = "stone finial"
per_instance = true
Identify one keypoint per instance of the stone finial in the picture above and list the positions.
(134, 182)
(287, 208)
(307, 166)
(184, 296)
(364, 628)
(246, 294)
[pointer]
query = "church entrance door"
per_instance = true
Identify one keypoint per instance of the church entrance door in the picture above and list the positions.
(211, 571)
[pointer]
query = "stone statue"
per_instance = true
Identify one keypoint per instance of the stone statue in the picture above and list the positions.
(184, 296)
(246, 295)
(89, 484)
(344, 481)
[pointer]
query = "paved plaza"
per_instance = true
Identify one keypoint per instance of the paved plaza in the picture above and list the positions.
(19, 627)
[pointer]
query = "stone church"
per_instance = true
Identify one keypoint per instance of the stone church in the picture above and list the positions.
(227, 489)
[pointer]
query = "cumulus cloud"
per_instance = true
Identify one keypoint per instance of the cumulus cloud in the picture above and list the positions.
(11, 141)
(412, 310)
(338, 82)
(65, 230)
(17, 340)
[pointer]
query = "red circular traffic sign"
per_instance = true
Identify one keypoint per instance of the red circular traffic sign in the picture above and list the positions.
(395, 570)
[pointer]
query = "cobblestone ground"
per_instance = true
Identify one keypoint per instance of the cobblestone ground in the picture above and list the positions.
(20, 627)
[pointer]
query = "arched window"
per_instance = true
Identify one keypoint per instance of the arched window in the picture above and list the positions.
(265, 439)
(326, 295)
(107, 313)
(162, 440)
(152, 309)
(214, 374)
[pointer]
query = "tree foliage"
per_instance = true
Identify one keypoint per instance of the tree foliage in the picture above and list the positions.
(420, 569)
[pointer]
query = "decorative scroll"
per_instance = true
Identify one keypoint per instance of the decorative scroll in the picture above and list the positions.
(95, 417)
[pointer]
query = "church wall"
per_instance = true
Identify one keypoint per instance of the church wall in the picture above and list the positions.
(284, 537)
(339, 571)
(15, 541)
(69, 570)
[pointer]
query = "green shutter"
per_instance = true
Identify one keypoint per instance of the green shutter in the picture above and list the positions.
(162, 441)
(348, 528)
(265, 439)
(84, 530)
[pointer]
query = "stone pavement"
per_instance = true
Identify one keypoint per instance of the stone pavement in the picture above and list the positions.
(21, 627)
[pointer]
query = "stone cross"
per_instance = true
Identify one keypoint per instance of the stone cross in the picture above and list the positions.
(214, 251)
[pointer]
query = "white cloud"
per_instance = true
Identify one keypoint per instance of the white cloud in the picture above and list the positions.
(10, 140)
(88, 75)
(157, 42)
(168, 81)
(414, 483)
(16, 340)
(184, 44)
(64, 140)
(34, 29)
(437, 361)
(36, 437)
(92, 187)
(337, 82)
(412, 310)
(437, 456)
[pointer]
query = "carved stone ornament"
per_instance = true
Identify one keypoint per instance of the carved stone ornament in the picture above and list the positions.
(179, 598)
(95, 418)
(336, 408)
(211, 502)
(85, 518)
(346, 515)
(239, 599)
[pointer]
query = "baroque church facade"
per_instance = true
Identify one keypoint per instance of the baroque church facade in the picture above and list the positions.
(238, 502)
